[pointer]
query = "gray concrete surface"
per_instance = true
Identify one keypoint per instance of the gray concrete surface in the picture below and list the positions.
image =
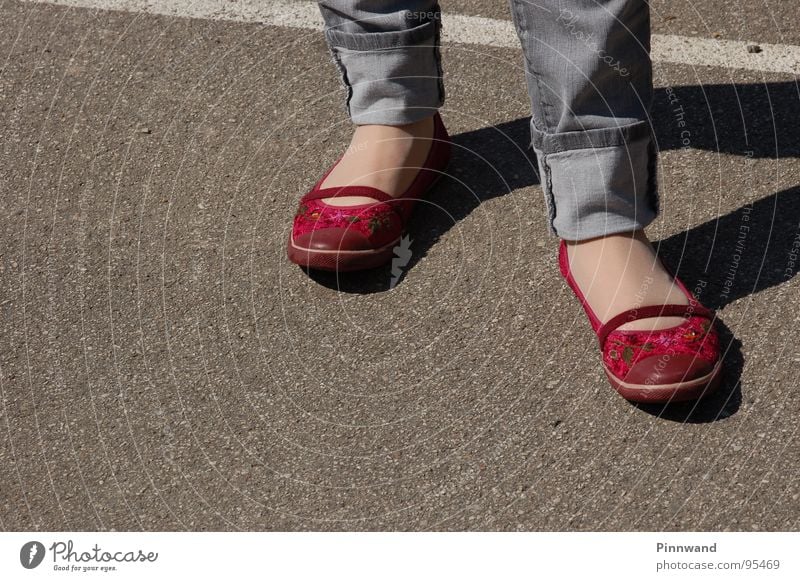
(163, 367)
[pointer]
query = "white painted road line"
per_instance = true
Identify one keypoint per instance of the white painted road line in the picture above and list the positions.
(776, 58)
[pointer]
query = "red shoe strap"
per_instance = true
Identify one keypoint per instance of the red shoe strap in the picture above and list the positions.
(437, 156)
(693, 309)
(366, 191)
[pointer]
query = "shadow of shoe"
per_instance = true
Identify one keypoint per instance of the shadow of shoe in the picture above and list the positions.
(718, 405)
(485, 164)
(722, 260)
(493, 161)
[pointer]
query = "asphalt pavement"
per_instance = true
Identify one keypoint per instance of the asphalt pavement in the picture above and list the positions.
(164, 367)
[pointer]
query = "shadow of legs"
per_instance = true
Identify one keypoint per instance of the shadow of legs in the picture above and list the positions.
(719, 405)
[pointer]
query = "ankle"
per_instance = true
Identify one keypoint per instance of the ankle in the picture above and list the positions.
(619, 240)
(620, 272)
(371, 134)
(386, 157)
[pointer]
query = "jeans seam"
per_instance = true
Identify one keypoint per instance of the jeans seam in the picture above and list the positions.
(521, 25)
(619, 136)
(652, 177)
(369, 41)
(343, 78)
(550, 201)
(437, 54)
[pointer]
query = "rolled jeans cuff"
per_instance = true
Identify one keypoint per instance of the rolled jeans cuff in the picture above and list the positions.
(392, 78)
(598, 182)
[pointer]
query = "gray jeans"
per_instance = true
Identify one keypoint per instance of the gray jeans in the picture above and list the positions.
(589, 78)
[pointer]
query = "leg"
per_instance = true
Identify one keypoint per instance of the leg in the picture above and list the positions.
(387, 53)
(589, 77)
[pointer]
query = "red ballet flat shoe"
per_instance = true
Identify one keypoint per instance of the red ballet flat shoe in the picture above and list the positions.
(346, 238)
(667, 365)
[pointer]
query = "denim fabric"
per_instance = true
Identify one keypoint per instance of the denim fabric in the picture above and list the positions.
(589, 78)
(387, 52)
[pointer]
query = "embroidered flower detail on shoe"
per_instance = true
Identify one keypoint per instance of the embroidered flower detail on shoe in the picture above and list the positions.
(378, 222)
(696, 337)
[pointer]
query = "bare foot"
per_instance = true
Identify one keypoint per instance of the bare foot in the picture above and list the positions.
(621, 272)
(381, 156)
